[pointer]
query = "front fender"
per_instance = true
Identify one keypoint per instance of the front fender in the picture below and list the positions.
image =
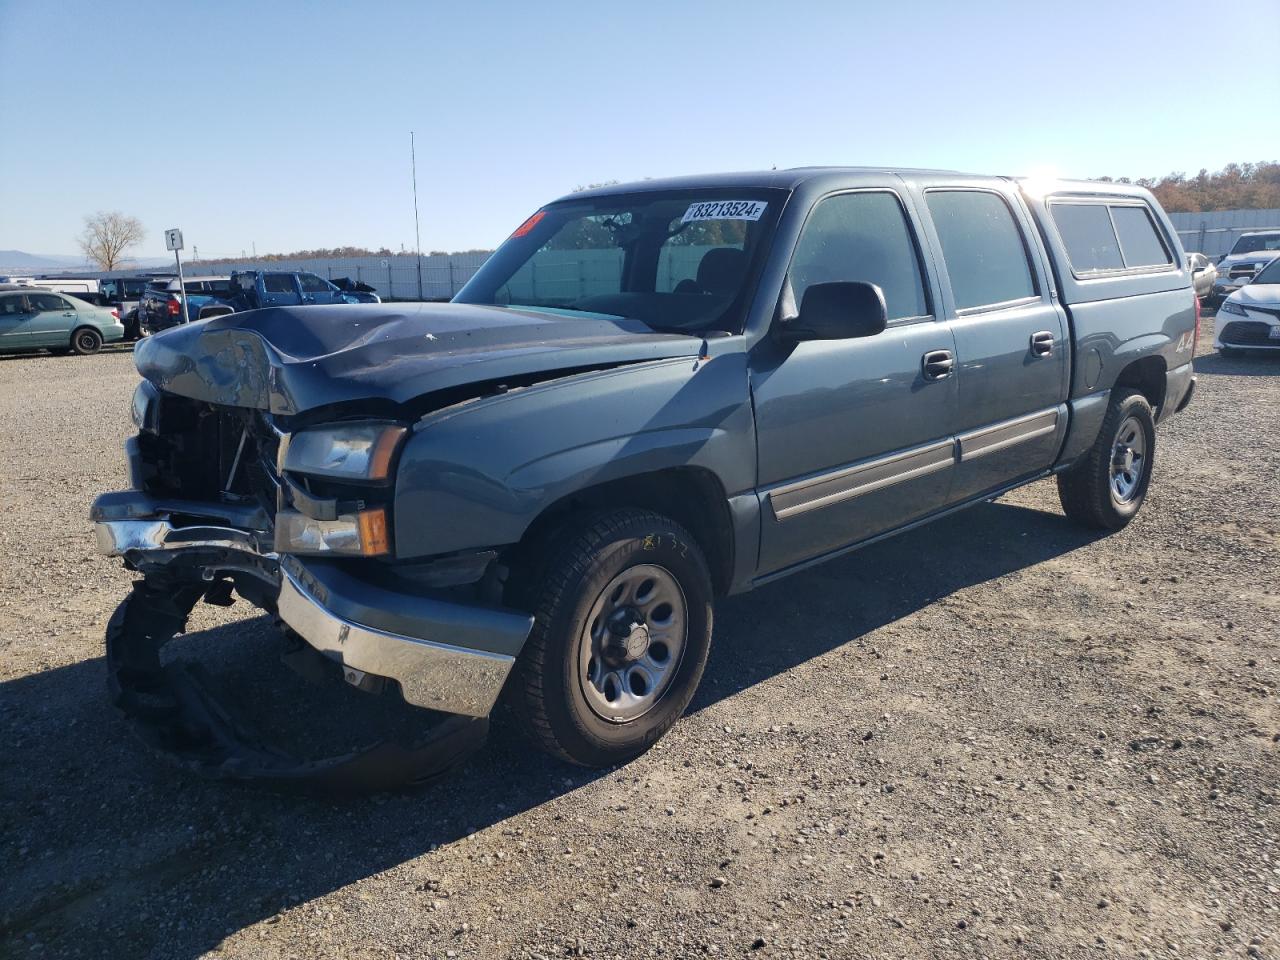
(478, 474)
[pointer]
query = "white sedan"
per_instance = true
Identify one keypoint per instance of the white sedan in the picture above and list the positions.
(1249, 319)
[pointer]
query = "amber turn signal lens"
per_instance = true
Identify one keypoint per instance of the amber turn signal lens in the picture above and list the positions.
(374, 538)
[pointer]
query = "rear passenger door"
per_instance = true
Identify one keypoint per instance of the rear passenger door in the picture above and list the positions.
(854, 437)
(1011, 335)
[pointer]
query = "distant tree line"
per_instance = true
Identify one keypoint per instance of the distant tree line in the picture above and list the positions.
(1237, 186)
(334, 253)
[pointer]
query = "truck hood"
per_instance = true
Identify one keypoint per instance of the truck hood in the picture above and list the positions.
(292, 359)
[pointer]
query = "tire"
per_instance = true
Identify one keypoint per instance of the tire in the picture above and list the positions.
(1098, 492)
(86, 340)
(605, 671)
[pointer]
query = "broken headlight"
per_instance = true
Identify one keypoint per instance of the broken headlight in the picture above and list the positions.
(337, 512)
(359, 452)
(360, 534)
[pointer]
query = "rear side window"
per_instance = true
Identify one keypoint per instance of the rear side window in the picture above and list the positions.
(983, 247)
(1103, 237)
(278, 283)
(1087, 233)
(861, 236)
(1140, 245)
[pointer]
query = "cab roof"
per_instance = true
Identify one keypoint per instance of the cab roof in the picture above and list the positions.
(791, 178)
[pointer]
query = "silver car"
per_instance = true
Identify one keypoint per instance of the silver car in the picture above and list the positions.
(1203, 273)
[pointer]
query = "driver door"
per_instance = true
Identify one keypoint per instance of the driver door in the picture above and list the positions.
(855, 437)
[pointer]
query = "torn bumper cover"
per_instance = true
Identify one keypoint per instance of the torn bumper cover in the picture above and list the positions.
(444, 656)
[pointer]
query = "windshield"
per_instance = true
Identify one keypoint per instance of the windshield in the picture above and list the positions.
(675, 260)
(1263, 241)
(1268, 274)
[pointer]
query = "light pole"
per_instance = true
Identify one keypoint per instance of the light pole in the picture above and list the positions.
(417, 235)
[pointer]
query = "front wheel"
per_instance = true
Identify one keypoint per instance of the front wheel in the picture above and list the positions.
(1106, 489)
(622, 629)
(85, 341)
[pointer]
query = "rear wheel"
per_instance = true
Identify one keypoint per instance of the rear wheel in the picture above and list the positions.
(86, 340)
(1106, 489)
(621, 634)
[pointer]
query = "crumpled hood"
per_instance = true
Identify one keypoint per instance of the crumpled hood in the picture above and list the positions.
(291, 359)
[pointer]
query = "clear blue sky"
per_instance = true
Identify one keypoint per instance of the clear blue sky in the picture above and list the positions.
(287, 125)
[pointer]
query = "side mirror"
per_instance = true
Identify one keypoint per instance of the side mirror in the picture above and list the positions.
(838, 311)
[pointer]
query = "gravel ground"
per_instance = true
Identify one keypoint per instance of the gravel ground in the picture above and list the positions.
(998, 736)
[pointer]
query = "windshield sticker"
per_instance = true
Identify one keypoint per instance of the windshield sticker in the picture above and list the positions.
(725, 210)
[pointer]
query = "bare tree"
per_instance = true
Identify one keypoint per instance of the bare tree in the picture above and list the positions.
(107, 237)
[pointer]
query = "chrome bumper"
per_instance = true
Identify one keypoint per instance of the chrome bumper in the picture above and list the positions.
(434, 675)
(431, 673)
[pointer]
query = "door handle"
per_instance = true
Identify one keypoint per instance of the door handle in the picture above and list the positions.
(1042, 344)
(937, 364)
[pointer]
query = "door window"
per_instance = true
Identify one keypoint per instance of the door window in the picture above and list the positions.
(983, 247)
(47, 302)
(11, 305)
(313, 284)
(863, 237)
(278, 283)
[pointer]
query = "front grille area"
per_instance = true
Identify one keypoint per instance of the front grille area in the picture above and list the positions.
(198, 444)
(1248, 333)
(1242, 271)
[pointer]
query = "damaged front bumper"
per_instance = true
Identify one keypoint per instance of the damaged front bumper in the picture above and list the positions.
(443, 655)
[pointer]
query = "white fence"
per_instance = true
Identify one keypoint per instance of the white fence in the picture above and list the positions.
(1213, 232)
(394, 277)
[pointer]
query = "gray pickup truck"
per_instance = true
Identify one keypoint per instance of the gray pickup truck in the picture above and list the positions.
(652, 395)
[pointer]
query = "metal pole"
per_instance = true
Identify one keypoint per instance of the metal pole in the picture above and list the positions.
(186, 317)
(417, 234)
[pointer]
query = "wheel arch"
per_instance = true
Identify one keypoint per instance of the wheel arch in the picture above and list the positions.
(691, 496)
(1147, 375)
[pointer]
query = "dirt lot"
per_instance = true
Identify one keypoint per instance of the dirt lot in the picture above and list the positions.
(997, 736)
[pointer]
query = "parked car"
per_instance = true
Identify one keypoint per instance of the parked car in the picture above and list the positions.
(32, 319)
(1249, 319)
(649, 397)
(1203, 273)
(356, 291)
(161, 305)
(125, 293)
(1249, 254)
